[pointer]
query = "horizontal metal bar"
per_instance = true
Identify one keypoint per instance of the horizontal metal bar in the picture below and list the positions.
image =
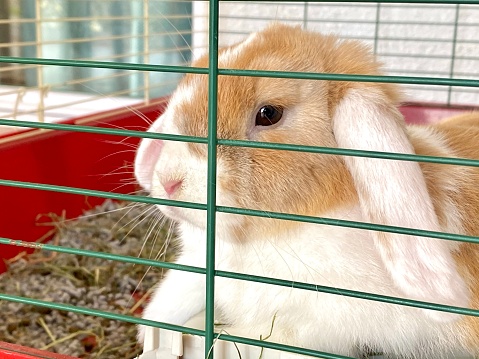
(102, 130)
(244, 211)
(443, 91)
(103, 65)
(101, 255)
(434, 2)
(427, 56)
(349, 224)
(98, 313)
(356, 78)
(373, 21)
(101, 194)
(385, 38)
(349, 152)
(277, 346)
(253, 73)
(424, 39)
(243, 143)
(109, 57)
(245, 277)
(177, 328)
(162, 325)
(44, 19)
(92, 39)
(419, 6)
(116, 95)
(326, 4)
(349, 293)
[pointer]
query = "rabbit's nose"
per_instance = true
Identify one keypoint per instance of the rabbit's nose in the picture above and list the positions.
(171, 186)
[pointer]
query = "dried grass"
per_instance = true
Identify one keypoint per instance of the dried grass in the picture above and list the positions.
(87, 282)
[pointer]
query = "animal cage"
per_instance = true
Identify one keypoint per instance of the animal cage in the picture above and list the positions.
(78, 75)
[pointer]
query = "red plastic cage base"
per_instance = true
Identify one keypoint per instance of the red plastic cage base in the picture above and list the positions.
(13, 351)
(73, 159)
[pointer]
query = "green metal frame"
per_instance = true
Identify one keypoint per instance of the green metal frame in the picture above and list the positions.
(212, 208)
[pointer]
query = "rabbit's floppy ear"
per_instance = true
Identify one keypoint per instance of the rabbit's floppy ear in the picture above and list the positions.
(393, 192)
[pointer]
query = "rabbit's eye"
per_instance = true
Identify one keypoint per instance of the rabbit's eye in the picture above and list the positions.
(268, 115)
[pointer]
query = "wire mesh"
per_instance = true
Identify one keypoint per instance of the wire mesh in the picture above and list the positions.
(410, 39)
(378, 19)
(121, 31)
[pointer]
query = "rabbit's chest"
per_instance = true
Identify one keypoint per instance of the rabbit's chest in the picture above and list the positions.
(313, 318)
(313, 254)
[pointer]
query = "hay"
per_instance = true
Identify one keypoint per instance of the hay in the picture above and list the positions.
(87, 282)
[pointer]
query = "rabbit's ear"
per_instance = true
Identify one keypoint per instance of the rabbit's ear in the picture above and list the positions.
(394, 193)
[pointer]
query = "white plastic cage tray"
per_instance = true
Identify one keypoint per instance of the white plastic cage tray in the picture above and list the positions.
(174, 345)
(166, 344)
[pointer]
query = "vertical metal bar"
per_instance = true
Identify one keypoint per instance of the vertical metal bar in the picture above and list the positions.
(136, 47)
(453, 52)
(305, 14)
(5, 37)
(39, 55)
(376, 29)
(146, 49)
(211, 191)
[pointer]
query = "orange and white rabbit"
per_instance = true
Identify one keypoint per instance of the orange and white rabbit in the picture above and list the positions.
(343, 114)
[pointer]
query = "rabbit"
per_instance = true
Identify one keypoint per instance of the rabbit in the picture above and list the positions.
(344, 114)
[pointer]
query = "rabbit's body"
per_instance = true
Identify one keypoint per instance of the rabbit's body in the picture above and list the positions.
(398, 193)
(328, 322)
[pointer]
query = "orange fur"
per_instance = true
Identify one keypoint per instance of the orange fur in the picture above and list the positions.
(462, 134)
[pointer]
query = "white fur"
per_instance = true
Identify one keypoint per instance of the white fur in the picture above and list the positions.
(453, 176)
(395, 193)
(314, 319)
(306, 318)
(181, 294)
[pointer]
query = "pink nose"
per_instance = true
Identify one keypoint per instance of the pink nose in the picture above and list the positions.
(171, 186)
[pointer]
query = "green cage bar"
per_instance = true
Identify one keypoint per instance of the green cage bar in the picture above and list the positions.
(242, 211)
(211, 177)
(242, 143)
(212, 141)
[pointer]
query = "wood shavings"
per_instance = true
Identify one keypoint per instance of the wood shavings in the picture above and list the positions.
(111, 286)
